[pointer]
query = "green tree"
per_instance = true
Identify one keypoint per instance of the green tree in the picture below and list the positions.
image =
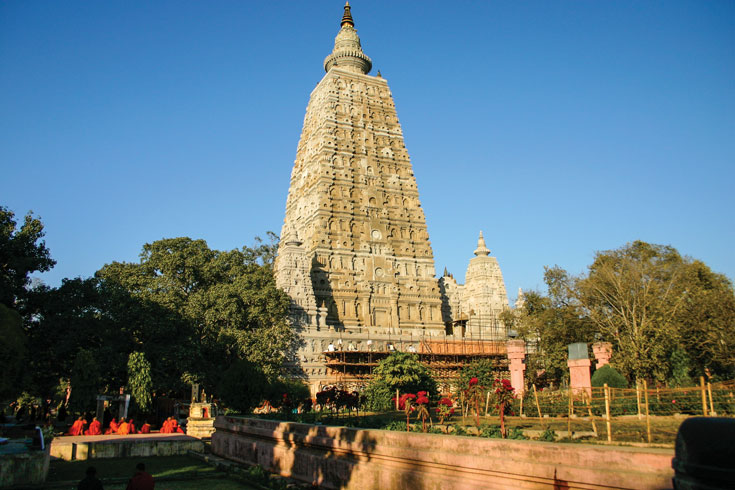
(378, 396)
(22, 251)
(549, 323)
(224, 307)
(139, 379)
(79, 314)
(404, 371)
(633, 295)
(706, 321)
(85, 382)
(482, 369)
(242, 386)
(12, 353)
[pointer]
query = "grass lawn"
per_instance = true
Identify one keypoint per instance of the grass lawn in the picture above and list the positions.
(187, 473)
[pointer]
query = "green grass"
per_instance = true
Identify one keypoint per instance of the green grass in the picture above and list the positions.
(208, 484)
(164, 466)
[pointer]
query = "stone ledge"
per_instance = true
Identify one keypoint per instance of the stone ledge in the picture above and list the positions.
(340, 457)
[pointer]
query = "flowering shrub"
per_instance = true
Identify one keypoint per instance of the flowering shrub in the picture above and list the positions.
(444, 409)
(503, 396)
(422, 400)
(473, 394)
(406, 397)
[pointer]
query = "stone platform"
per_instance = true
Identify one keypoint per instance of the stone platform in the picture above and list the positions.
(345, 458)
(70, 448)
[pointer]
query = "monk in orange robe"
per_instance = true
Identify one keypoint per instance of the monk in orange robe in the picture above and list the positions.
(174, 426)
(132, 427)
(77, 428)
(95, 428)
(113, 426)
(145, 428)
(124, 428)
(166, 427)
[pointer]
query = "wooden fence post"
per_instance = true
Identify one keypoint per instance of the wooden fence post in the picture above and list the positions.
(607, 413)
(704, 396)
(592, 417)
(711, 404)
(570, 409)
(648, 418)
(397, 396)
(487, 402)
(535, 395)
(638, 397)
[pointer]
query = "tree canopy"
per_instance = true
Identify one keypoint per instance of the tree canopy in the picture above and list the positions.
(22, 251)
(404, 371)
(654, 305)
(188, 310)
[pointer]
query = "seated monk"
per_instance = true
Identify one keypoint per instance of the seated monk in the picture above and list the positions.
(174, 426)
(95, 428)
(113, 426)
(166, 427)
(145, 428)
(77, 428)
(132, 427)
(180, 430)
(124, 428)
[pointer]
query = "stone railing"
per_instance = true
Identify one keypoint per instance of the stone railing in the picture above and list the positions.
(340, 457)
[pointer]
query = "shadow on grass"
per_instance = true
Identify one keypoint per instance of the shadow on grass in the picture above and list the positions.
(113, 468)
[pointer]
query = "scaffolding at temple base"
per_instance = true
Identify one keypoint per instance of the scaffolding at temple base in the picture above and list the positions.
(445, 358)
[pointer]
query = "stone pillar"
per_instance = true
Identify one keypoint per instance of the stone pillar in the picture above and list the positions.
(603, 353)
(579, 368)
(516, 353)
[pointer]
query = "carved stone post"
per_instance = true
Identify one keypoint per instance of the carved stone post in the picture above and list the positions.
(516, 353)
(603, 353)
(579, 368)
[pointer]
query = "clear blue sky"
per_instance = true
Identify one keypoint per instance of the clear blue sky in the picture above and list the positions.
(557, 128)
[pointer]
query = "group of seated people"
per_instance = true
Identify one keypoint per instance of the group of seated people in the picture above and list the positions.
(123, 427)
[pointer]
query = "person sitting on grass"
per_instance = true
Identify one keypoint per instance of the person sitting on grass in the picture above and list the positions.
(141, 480)
(90, 482)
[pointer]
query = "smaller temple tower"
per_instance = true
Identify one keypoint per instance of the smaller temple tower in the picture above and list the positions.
(476, 306)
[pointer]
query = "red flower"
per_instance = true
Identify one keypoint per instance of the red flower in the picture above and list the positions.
(474, 381)
(422, 400)
(446, 401)
(673, 401)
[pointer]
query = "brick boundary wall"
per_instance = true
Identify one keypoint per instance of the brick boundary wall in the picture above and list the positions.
(340, 457)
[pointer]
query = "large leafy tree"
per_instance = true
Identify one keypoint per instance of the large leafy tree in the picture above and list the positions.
(22, 251)
(13, 347)
(224, 307)
(634, 295)
(549, 323)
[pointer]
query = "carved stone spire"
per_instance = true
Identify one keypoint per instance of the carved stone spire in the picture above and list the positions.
(481, 248)
(347, 53)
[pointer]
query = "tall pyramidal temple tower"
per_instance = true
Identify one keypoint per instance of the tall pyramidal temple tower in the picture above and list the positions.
(355, 255)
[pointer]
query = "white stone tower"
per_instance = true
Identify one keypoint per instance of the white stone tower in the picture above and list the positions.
(355, 255)
(354, 205)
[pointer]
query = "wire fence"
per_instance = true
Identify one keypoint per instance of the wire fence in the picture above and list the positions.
(601, 409)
